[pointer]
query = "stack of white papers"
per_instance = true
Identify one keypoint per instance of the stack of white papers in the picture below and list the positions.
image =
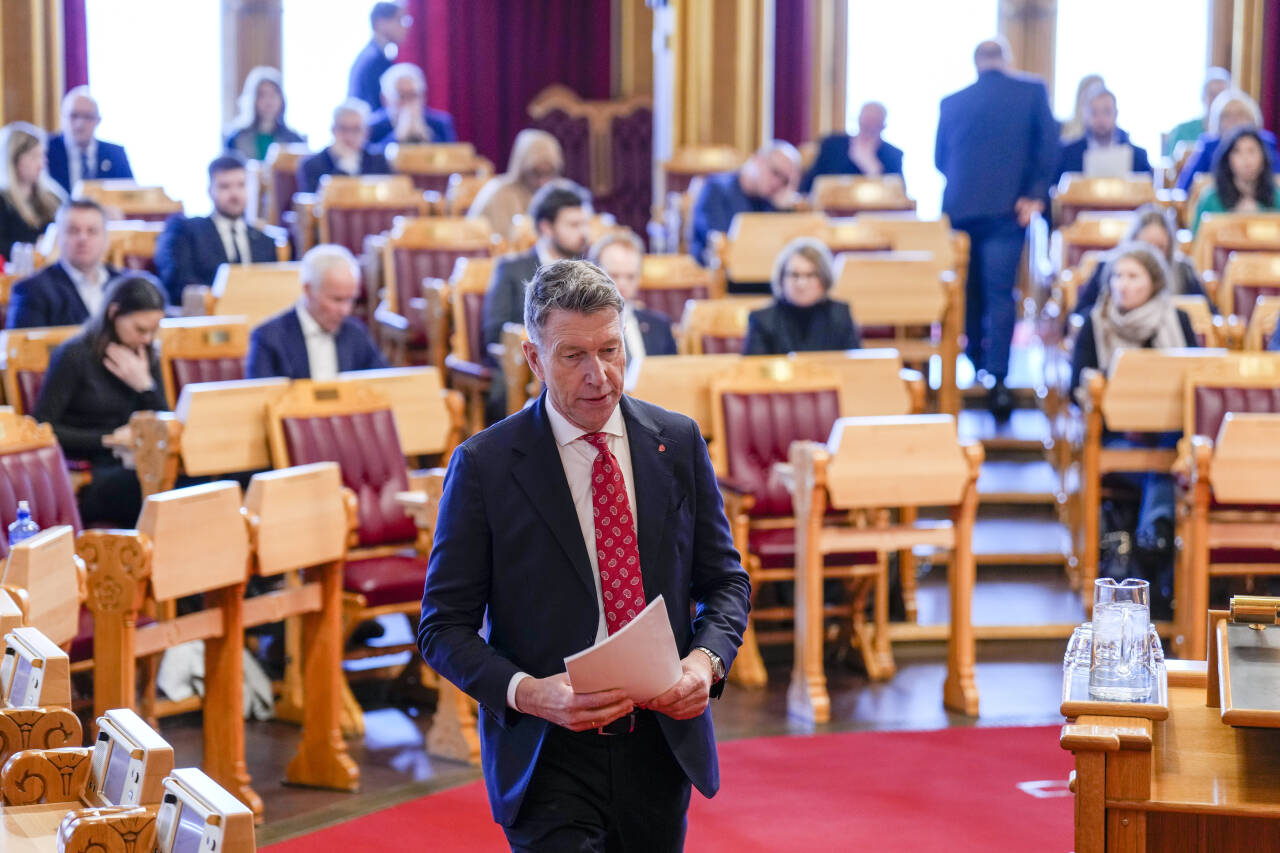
(640, 658)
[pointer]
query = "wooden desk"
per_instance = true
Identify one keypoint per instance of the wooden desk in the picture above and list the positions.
(1189, 783)
(32, 829)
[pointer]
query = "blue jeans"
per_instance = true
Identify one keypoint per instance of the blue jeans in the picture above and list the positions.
(995, 250)
(1157, 489)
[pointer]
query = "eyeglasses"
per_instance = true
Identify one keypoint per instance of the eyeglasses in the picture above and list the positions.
(800, 276)
(84, 116)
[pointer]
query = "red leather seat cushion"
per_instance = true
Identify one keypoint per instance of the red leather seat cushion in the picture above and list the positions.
(777, 550)
(349, 227)
(1212, 402)
(188, 370)
(1246, 298)
(387, 580)
(712, 345)
(1260, 556)
(82, 644)
(38, 476)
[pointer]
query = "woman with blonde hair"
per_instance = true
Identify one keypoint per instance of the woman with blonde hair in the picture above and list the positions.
(803, 316)
(260, 120)
(29, 197)
(536, 159)
(1074, 127)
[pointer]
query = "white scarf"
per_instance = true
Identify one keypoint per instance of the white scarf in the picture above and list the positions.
(1154, 323)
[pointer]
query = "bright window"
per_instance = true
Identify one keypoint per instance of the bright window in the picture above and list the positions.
(909, 55)
(321, 41)
(1153, 56)
(156, 72)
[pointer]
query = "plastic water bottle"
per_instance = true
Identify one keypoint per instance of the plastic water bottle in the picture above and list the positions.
(25, 527)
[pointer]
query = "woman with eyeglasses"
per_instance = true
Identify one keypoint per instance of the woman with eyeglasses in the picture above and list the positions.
(802, 317)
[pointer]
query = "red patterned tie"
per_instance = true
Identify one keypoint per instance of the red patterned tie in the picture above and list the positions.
(617, 553)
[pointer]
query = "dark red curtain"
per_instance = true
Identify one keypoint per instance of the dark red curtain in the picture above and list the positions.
(75, 44)
(486, 59)
(792, 61)
(1271, 66)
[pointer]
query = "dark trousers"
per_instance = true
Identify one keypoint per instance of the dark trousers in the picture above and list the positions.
(995, 250)
(113, 496)
(593, 793)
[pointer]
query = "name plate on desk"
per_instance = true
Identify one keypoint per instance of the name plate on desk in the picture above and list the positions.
(1249, 673)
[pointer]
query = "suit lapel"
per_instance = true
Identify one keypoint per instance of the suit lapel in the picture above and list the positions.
(538, 471)
(296, 343)
(213, 241)
(652, 476)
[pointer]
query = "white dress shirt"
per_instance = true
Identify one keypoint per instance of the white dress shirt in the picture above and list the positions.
(578, 457)
(322, 347)
(233, 229)
(90, 287)
(73, 159)
(348, 164)
(632, 337)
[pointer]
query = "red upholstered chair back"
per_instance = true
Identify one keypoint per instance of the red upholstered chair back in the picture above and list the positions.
(720, 344)
(1246, 297)
(349, 226)
(34, 470)
(367, 448)
(1211, 402)
(29, 384)
(574, 135)
(473, 309)
(758, 431)
(630, 193)
(671, 300)
(188, 370)
(413, 265)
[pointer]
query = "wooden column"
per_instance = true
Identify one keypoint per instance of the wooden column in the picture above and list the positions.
(829, 91)
(251, 36)
(31, 68)
(632, 48)
(1222, 15)
(1031, 27)
(1246, 46)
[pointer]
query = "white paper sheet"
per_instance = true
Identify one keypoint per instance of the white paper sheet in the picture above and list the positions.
(641, 658)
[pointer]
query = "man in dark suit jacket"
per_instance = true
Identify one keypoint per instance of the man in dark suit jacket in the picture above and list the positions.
(75, 155)
(349, 154)
(765, 183)
(621, 255)
(68, 292)
(317, 338)
(996, 145)
(561, 214)
(864, 154)
(565, 770)
(1100, 132)
(190, 250)
(405, 116)
(389, 23)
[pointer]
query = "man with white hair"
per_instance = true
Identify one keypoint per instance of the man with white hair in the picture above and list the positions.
(349, 154)
(1231, 110)
(766, 183)
(405, 116)
(317, 338)
(75, 154)
(1216, 81)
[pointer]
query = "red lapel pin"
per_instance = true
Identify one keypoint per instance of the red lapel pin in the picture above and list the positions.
(662, 448)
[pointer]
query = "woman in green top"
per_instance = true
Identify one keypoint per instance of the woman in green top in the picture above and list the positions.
(260, 120)
(1242, 181)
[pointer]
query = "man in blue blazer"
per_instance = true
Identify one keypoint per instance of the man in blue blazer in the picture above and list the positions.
(521, 552)
(389, 23)
(644, 332)
(1100, 132)
(349, 154)
(405, 116)
(997, 142)
(766, 183)
(75, 155)
(68, 292)
(316, 338)
(864, 154)
(190, 250)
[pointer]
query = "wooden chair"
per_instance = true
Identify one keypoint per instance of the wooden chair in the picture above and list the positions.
(126, 199)
(431, 166)
(1262, 323)
(1246, 277)
(131, 245)
(410, 321)
(717, 325)
(1089, 233)
(201, 349)
(1142, 394)
(350, 208)
(693, 161)
(1210, 330)
(748, 252)
(1221, 234)
(462, 192)
(26, 360)
(466, 364)
(521, 383)
(1231, 514)
(667, 282)
(868, 466)
(911, 293)
(280, 178)
(856, 234)
(681, 383)
(848, 195)
(254, 292)
(1076, 193)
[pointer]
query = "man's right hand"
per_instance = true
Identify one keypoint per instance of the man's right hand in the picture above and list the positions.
(553, 699)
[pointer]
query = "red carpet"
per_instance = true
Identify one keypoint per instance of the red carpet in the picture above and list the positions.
(954, 790)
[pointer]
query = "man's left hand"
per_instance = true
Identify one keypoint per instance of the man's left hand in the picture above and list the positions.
(689, 697)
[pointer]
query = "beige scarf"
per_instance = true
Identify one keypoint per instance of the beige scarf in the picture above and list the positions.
(1153, 323)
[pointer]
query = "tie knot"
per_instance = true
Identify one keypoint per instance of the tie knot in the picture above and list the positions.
(598, 440)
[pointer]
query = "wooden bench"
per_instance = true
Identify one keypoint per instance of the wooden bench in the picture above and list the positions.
(431, 165)
(848, 195)
(1262, 324)
(255, 292)
(1090, 233)
(126, 199)
(1076, 194)
(1220, 234)
(1246, 277)
(201, 349)
(716, 326)
(667, 282)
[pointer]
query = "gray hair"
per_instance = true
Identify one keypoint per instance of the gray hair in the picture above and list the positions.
(577, 286)
(320, 259)
(387, 82)
(788, 150)
(1225, 99)
(352, 105)
(622, 237)
(811, 250)
(69, 99)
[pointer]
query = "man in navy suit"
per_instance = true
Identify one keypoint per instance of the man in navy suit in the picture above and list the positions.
(349, 154)
(317, 338)
(405, 116)
(389, 23)
(864, 154)
(69, 292)
(189, 251)
(644, 332)
(766, 182)
(1100, 133)
(521, 552)
(996, 145)
(75, 155)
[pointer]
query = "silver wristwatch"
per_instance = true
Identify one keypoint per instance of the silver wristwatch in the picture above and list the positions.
(717, 665)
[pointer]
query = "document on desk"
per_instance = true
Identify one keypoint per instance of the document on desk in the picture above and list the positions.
(641, 658)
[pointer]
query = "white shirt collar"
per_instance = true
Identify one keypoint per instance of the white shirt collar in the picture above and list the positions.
(79, 279)
(225, 221)
(310, 328)
(544, 257)
(566, 433)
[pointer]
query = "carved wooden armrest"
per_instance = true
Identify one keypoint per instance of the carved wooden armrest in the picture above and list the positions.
(38, 728)
(46, 776)
(131, 829)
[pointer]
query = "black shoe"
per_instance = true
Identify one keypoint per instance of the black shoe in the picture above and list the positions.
(1000, 401)
(364, 632)
(1158, 538)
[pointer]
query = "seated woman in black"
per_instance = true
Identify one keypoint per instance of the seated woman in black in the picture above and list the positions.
(99, 378)
(802, 318)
